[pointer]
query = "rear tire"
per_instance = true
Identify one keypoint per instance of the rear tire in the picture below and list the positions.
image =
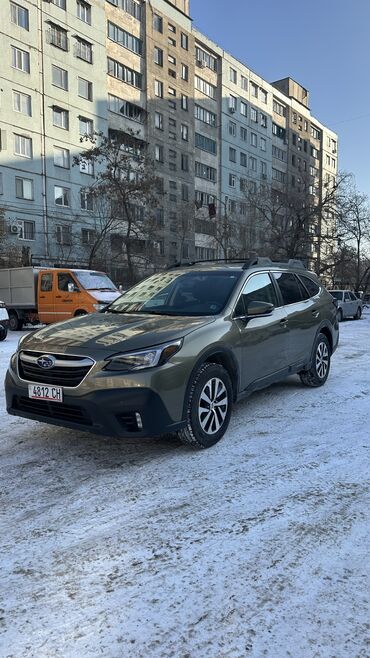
(15, 323)
(320, 365)
(358, 314)
(3, 333)
(208, 406)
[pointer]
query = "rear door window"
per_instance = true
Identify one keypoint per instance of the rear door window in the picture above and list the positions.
(291, 289)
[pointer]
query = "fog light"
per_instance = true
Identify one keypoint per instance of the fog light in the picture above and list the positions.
(139, 421)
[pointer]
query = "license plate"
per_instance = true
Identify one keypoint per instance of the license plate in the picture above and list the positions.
(43, 392)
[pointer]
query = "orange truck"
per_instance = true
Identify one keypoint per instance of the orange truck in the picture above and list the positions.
(40, 294)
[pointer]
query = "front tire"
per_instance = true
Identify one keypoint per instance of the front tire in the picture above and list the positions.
(340, 315)
(208, 406)
(3, 333)
(320, 365)
(15, 323)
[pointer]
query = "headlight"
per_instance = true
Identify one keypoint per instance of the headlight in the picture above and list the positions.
(22, 338)
(100, 305)
(148, 358)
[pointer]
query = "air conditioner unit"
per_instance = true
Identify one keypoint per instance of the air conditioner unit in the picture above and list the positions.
(201, 63)
(13, 228)
(232, 110)
(264, 176)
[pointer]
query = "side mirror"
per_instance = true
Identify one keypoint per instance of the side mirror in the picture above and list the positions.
(72, 287)
(255, 309)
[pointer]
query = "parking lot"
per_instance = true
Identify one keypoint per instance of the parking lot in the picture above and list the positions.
(256, 547)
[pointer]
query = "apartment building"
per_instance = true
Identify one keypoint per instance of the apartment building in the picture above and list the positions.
(213, 128)
(52, 94)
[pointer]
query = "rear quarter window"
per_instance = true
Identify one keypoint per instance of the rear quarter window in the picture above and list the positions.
(312, 287)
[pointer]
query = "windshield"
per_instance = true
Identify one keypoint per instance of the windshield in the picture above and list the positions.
(179, 293)
(94, 281)
(336, 294)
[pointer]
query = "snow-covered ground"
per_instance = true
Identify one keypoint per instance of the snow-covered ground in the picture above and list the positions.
(145, 549)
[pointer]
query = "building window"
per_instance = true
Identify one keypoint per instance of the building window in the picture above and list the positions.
(127, 109)
(204, 59)
(205, 115)
(243, 134)
(184, 162)
(86, 200)
(205, 172)
(158, 120)
(233, 76)
(26, 229)
(88, 236)
(62, 196)
(59, 77)
(64, 237)
(243, 109)
(254, 89)
(172, 59)
(86, 126)
(184, 102)
(172, 105)
(184, 41)
(158, 56)
(84, 50)
(158, 88)
(279, 108)
(263, 95)
(184, 72)
(232, 180)
(263, 169)
(24, 188)
(244, 83)
(205, 143)
(172, 91)
(232, 154)
(60, 118)
(262, 144)
(184, 192)
(19, 15)
(243, 159)
(158, 23)
(171, 28)
(20, 60)
(184, 132)
(253, 163)
(278, 175)
(253, 139)
(61, 157)
(22, 146)
(172, 42)
(232, 128)
(158, 153)
(315, 133)
(263, 120)
(22, 103)
(254, 115)
(87, 167)
(85, 89)
(84, 11)
(125, 39)
(57, 36)
(233, 103)
(130, 6)
(205, 87)
(124, 73)
(59, 3)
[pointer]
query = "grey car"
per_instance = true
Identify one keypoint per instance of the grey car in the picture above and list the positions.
(349, 306)
(173, 353)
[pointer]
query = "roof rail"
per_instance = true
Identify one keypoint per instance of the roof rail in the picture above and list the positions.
(254, 261)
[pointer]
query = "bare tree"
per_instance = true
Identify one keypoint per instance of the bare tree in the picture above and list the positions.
(123, 190)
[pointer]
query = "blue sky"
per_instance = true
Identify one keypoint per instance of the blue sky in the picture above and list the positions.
(324, 45)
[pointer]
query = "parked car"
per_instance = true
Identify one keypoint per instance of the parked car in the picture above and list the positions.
(4, 321)
(177, 350)
(348, 304)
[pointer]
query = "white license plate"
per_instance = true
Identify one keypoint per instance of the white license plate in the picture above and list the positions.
(43, 392)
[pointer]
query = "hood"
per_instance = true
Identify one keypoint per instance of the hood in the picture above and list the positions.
(102, 296)
(111, 333)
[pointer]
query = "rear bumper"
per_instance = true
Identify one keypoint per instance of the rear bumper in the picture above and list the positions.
(106, 412)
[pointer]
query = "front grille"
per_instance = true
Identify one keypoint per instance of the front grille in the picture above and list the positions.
(55, 410)
(68, 370)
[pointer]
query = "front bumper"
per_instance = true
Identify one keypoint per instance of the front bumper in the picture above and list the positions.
(105, 412)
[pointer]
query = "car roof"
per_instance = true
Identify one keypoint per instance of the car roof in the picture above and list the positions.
(255, 264)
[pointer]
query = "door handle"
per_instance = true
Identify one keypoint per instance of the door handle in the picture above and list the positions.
(58, 296)
(42, 296)
(315, 314)
(284, 322)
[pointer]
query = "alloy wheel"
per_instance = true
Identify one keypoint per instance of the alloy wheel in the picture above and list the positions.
(322, 360)
(213, 405)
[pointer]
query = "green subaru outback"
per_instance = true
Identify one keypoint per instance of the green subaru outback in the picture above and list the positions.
(173, 353)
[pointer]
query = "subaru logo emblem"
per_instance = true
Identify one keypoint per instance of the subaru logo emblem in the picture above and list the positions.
(46, 362)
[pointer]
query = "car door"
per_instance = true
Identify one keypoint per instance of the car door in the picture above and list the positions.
(46, 308)
(348, 305)
(65, 296)
(262, 340)
(355, 303)
(303, 316)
